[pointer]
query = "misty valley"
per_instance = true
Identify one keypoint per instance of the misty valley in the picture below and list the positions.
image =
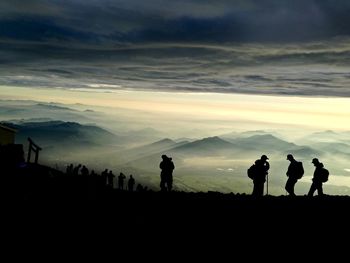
(80, 135)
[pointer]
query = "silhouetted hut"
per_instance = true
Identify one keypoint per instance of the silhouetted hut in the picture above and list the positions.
(7, 135)
(11, 154)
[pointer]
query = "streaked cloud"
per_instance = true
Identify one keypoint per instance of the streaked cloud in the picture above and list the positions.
(256, 47)
(311, 69)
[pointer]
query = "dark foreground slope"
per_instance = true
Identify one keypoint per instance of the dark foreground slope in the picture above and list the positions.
(35, 190)
(46, 210)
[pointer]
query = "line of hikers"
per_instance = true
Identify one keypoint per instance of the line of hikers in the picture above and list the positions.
(258, 172)
(106, 178)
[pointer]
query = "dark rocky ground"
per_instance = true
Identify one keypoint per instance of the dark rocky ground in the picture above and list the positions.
(43, 206)
(45, 189)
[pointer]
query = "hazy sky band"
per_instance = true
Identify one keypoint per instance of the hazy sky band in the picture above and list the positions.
(222, 111)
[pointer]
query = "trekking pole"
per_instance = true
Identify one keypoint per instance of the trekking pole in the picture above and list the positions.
(267, 184)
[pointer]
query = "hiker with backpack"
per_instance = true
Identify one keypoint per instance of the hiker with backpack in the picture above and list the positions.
(294, 173)
(320, 176)
(166, 176)
(258, 172)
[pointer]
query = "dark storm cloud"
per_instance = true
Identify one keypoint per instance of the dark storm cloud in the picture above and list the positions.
(167, 20)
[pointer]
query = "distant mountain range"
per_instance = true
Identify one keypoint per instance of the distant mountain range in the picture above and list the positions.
(18, 110)
(235, 135)
(327, 137)
(208, 146)
(58, 133)
(247, 147)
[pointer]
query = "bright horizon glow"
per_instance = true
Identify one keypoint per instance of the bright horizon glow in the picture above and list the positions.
(312, 113)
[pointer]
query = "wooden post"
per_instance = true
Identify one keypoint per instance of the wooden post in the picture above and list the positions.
(29, 150)
(35, 148)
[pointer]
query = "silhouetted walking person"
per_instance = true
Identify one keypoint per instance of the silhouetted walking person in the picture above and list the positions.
(121, 178)
(166, 176)
(131, 183)
(84, 171)
(260, 171)
(104, 176)
(320, 177)
(294, 173)
(139, 188)
(110, 177)
(69, 169)
(76, 169)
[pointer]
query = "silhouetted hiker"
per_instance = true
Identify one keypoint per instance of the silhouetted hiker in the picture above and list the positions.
(121, 178)
(139, 188)
(166, 176)
(320, 176)
(294, 173)
(69, 169)
(110, 177)
(84, 171)
(76, 169)
(260, 172)
(104, 175)
(131, 183)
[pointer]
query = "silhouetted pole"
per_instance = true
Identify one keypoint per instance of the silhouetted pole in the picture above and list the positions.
(267, 184)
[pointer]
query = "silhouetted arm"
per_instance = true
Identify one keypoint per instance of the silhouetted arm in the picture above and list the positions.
(288, 171)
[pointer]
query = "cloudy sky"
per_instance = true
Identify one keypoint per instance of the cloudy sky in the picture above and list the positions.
(277, 47)
(272, 63)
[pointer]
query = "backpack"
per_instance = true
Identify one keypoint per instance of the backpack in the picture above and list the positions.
(324, 173)
(299, 171)
(251, 171)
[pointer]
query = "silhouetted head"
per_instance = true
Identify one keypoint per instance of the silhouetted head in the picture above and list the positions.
(264, 157)
(290, 157)
(164, 157)
(315, 161)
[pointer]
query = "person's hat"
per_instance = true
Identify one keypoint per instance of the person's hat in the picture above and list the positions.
(289, 156)
(315, 160)
(264, 157)
(164, 156)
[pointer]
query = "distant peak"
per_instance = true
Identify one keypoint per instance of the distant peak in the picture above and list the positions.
(264, 136)
(166, 140)
(214, 138)
(52, 106)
